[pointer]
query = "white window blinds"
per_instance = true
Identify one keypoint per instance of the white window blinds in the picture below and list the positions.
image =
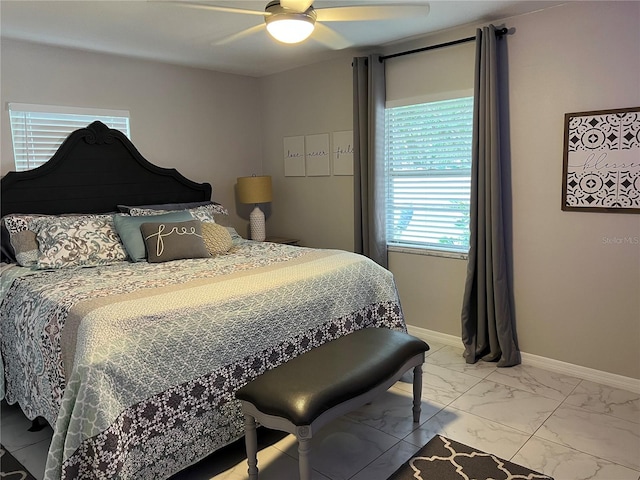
(38, 130)
(428, 168)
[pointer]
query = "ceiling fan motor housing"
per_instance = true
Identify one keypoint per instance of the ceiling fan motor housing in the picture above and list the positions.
(274, 8)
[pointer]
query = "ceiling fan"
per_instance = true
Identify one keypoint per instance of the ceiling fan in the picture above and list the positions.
(293, 21)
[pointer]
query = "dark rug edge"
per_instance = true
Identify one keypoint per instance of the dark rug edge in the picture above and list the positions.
(11, 468)
(437, 453)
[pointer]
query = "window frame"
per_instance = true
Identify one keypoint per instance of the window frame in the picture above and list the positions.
(417, 248)
(29, 124)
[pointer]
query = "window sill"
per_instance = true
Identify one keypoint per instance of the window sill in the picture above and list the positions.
(429, 252)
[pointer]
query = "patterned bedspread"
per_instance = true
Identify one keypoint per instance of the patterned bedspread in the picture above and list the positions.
(136, 365)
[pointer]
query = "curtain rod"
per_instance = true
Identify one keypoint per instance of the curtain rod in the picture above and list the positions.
(499, 33)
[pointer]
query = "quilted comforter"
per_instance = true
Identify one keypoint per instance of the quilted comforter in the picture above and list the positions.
(136, 365)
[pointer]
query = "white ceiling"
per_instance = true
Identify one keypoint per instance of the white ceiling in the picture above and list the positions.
(174, 33)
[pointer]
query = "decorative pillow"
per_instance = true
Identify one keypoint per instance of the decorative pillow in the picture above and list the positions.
(77, 241)
(167, 207)
(129, 230)
(25, 247)
(22, 237)
(167, 241)
(204, 213)
(216, 238)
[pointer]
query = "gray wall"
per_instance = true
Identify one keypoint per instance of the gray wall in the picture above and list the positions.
(312, 100)
(203, 123)
(577, 291)
(577, 295)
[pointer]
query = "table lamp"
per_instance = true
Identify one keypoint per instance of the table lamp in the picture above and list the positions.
(255, 189)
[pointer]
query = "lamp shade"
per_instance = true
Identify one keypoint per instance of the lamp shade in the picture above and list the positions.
(254, 189)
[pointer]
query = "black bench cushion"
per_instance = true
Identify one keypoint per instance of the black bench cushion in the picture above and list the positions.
(312, 383)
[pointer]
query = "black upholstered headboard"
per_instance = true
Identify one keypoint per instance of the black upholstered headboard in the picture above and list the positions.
(93, 171)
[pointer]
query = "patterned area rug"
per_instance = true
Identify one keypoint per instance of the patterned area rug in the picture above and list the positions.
(444, 459)
(12, 469)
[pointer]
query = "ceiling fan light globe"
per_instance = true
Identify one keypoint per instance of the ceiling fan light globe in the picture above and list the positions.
(290, 30)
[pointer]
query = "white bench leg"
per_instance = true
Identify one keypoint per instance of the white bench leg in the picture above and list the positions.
(417, 393)
(251, 442)
(304, 460)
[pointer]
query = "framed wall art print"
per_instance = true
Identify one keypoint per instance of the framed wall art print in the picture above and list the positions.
(601, 167)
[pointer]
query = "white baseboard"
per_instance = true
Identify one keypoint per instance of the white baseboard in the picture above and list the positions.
(597, 376)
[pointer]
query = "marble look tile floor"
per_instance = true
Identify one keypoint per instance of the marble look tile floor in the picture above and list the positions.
(565, 427)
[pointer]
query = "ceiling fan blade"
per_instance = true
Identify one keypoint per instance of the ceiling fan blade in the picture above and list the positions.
(206, 6)
(297, 5)
(371, 12)
(330, 38)
(237, 36)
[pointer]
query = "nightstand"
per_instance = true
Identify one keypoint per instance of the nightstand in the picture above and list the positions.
(282, 240)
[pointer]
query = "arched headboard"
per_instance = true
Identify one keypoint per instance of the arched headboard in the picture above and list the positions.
(94, 170)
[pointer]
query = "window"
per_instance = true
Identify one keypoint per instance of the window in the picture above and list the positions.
(38, 130)
(428, 175)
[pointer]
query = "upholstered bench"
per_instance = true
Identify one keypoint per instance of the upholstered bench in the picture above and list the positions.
(305, 393)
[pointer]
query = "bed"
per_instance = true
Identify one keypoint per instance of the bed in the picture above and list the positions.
(135, 363)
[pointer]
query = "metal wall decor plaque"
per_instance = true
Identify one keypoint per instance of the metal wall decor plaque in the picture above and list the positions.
(601, 168)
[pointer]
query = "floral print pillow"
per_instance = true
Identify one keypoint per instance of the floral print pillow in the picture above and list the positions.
(23, 238)
(204, 213)
(77, 241)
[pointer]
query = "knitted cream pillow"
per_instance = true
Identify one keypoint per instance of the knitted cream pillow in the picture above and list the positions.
(216, 238)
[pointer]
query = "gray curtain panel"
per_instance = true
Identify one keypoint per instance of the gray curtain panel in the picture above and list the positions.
(368, 175)
(488, 329)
